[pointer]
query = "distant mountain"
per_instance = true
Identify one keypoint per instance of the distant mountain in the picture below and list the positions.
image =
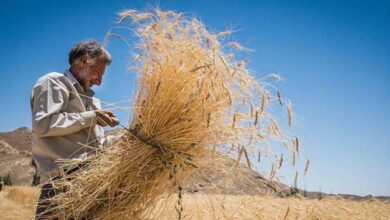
(15, 155)
(5, 148)
(15, 158)
(19, 139)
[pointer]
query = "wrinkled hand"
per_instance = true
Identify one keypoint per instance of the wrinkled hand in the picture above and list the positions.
(106, 117)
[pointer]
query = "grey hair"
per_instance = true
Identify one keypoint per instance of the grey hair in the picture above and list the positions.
(90, 48)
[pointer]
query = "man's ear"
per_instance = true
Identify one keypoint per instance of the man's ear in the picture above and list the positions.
(84, 61)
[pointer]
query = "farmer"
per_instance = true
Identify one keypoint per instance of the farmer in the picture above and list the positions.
(67, 119)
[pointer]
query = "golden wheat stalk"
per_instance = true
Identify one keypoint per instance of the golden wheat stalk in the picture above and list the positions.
(189, 93)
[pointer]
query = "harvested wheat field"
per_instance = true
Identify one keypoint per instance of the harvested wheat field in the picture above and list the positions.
(245, 110)
(19, 203)
(198, 113)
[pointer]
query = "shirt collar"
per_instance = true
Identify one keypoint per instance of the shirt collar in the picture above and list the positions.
(71, 78)
(74, 82)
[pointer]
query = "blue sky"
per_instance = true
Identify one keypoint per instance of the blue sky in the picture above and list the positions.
(334, 57)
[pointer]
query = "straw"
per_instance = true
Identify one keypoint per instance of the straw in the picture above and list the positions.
(194, 103)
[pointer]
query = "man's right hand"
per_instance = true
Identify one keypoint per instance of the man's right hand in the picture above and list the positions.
(106, 117)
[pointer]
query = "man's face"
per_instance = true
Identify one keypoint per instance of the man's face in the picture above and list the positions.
(92, 74)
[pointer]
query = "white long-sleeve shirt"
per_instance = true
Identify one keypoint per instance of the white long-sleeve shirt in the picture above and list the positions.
(63, 122)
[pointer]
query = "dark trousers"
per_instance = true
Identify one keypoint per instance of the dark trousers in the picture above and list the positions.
(47, 192)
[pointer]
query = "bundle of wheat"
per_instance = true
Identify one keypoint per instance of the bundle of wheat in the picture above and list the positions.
(194, 102)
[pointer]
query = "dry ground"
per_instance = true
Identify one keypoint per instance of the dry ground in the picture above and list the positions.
(19, 203)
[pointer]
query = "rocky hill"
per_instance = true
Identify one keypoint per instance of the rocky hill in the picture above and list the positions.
(20, 139)
(15, 159)
(15, 156)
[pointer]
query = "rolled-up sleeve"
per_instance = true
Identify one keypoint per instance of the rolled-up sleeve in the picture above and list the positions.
(48, 99)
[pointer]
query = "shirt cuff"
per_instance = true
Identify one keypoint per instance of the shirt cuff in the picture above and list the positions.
(88, 118)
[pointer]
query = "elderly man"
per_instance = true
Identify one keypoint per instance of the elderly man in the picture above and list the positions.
(67, 119)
